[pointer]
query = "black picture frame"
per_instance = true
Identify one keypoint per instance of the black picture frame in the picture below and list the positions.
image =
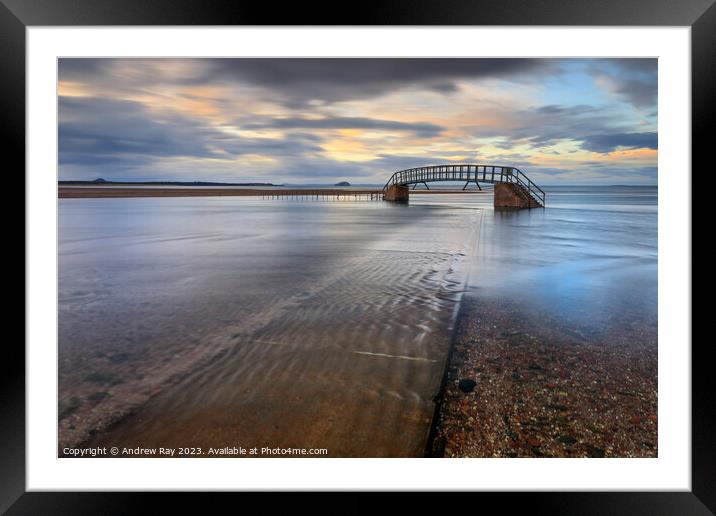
(17, 15)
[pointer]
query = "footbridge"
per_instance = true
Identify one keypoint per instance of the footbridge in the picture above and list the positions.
(513, 189)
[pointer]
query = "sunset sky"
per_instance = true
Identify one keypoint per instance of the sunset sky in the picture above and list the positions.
(571, 121)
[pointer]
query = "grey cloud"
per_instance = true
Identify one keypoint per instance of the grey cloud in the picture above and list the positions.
(295, 82)
(96, 131)
(639, 92)
(335, 79)
(544, 126)
(83, 69)
(300, 80)
(106, 130)
(636, 80)
(124, 135)
(119, 139)
(608, 142)
(421, 129)
(595, 129)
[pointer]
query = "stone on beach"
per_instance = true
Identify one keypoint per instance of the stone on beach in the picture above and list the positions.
(467, 385)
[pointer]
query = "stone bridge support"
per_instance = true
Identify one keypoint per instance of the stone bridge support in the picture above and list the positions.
(397, 193)
(510, 195)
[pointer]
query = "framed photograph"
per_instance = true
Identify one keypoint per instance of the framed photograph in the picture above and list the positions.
(422, 249)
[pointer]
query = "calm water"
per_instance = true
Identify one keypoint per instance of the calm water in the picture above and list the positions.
(239, 322)
(589, 258)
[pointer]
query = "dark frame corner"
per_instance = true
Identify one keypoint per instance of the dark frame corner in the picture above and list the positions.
(700, 15)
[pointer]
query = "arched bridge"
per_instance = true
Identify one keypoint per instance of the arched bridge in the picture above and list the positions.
(512, 187)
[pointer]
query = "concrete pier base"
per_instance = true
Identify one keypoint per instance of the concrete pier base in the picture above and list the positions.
(397, 193)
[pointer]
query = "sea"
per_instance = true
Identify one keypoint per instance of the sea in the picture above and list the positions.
(304, 327)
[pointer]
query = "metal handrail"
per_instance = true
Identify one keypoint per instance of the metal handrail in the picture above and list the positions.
(531, 187)
(468, 172)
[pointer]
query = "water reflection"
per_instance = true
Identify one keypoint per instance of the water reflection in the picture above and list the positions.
(589, 257)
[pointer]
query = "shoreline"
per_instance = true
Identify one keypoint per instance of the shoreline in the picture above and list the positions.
(515, 388)
(122, 192)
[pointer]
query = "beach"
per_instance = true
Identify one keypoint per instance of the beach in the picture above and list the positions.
(244, 322)
(524, 385)
(441, 326)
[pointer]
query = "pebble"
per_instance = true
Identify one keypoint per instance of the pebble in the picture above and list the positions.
(523, 411)
(467, 385)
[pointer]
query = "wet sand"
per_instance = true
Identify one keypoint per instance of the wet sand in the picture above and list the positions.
(521, 384)
(310, 380)
(349, 361)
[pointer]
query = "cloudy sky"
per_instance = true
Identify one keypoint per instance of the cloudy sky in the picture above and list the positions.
(586, 121)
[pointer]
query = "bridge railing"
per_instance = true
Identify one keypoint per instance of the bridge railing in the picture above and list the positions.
(533, 190)
(468, 172)
(484, 173)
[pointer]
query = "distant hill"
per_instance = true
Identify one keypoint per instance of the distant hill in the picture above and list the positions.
(158, 183)
(342, 183)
